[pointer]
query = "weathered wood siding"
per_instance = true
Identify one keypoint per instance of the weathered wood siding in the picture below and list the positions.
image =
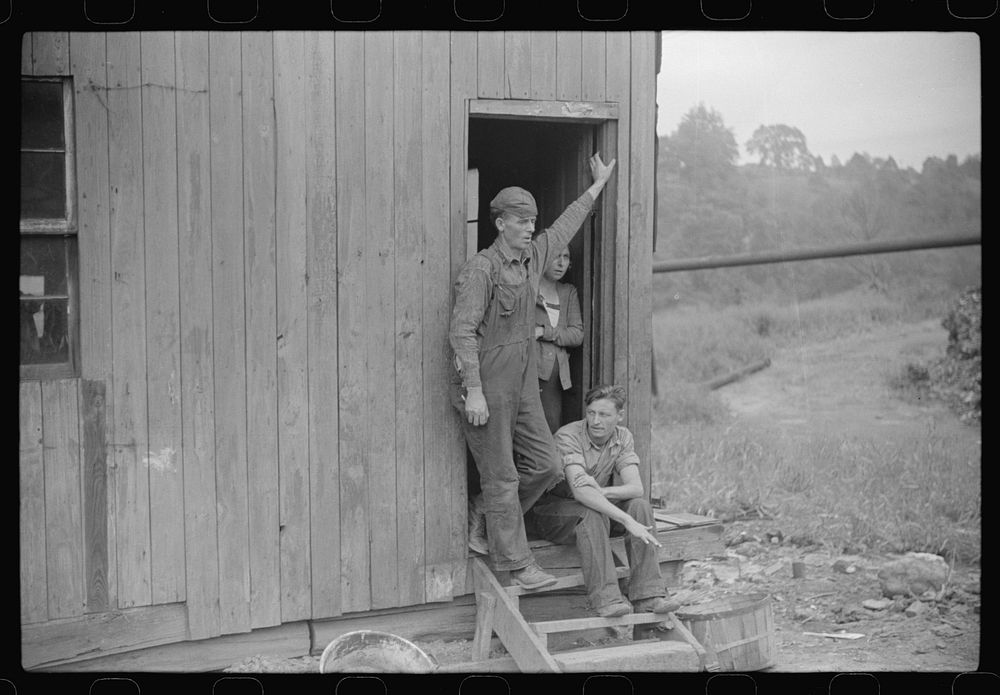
(269, 227)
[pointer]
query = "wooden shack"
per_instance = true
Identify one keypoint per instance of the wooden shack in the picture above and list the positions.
(250, 429)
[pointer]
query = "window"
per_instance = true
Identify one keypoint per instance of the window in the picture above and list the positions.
(48, 279)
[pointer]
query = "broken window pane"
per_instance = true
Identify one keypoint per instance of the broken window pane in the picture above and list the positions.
(43, 185)
(44, 331)
(43, 266)
(42, 115)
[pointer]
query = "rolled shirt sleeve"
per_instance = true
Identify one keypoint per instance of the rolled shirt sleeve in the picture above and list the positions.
(472, 293)
(570, 448)
(626, 456)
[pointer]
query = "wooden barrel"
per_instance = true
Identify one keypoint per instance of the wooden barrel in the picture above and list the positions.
(737, 633)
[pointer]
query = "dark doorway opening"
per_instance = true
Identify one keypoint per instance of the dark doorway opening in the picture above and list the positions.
(549, 158)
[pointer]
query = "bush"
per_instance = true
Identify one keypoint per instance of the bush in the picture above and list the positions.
(957, 377)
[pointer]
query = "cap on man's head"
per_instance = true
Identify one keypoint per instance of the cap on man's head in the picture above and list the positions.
(515, 201)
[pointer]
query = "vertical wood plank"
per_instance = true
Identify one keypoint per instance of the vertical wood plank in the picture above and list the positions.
(195, 254)
(27, 63)
(50, 53)
(95, 494)
(293, 401)
(443, 450)
(321, 270)
(229, 329)
(619, 70)
(489, 64)
(543, 64)
(408, 223)
(380, 295)
(128, 308)
(31, 470)
(63, 509)
(517, 64)
(643, 117)
(88, 62)
(165, 456)
(569, 65)
(352, 234)
(261, 317)
(593, 61)
(464, 71)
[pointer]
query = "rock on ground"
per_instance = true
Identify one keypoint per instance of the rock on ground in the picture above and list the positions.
(913, 574)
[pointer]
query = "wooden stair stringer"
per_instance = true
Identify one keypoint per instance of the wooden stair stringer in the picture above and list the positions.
(521, 642)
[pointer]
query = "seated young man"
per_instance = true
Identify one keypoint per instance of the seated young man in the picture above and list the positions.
(585, 508)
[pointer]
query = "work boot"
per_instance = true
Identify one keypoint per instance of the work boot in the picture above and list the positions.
(477, 530)
(656, 604)
(531, 577)
(615, 609)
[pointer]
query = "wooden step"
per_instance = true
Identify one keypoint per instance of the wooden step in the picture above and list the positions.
(546, 627)
(567, 582)
(652, 655)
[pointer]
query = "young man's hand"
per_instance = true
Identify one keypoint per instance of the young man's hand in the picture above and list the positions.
(582, 479)
(641, 532)
(476, 410)
(600, 171)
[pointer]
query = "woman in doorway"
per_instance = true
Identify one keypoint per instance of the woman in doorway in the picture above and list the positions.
(558, 326)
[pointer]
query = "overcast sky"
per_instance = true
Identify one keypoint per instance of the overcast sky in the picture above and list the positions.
(910, 95)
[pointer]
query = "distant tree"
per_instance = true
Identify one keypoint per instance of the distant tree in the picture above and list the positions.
(781, 146)
(702, 149)
(866, 214)
(835, 162)
(972, 166)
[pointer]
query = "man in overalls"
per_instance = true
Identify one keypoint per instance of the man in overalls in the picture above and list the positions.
(496, 381)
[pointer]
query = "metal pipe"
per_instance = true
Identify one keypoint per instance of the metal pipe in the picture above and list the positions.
(893, 246)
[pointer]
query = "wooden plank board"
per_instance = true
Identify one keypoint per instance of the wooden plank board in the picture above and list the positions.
(353, 319)
(464, 61)
(380, 297)
(584, 112)
(653, 656)
(259, 248)
(128, 310)
(640, 321)
(164, 459)
(569, 65)
(618, 197)
(50, 53)
(545, 627)
(322, 335)
(228, 329)
(64, 570)
(517, 64)
(31, 479)
(408, 132)
(95, 493)
(444, 446)
(201, 548)
(683, 518)
(283, 641)
(593, 58)
(292, 324)
(520, 641)
(97, 634)
(690, 543)
(88, 63)
(472, 207)
(543, 65)
(27, 64)
(490, 64)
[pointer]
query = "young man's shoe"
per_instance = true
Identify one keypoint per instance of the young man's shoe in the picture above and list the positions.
(615, 609)
(477, 530)
(532, 577)
(656, 604)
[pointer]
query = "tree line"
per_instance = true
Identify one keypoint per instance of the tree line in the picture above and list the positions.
(789, 199)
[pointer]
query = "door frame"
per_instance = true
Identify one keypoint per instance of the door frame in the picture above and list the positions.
(602, 246)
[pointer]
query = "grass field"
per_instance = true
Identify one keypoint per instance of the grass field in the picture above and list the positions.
(849, 493)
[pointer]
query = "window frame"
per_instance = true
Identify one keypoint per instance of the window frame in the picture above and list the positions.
(65, 227)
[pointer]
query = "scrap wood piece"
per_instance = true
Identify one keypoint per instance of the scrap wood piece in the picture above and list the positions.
(521, 642)
(690, 639)
(836, 635)
(721, 381)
